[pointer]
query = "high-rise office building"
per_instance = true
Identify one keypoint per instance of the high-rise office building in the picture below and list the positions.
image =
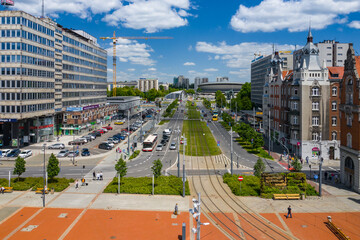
(146, 84)
(45, 70)
(333, 52)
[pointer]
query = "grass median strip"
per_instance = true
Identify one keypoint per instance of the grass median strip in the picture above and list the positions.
(162, 122)
(24, 184)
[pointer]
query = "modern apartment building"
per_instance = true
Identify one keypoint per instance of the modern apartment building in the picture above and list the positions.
(350, 125)
(222, 79)
(259, 70)
(333, 52)
(145, 84)
(181, 82)
(45, 69)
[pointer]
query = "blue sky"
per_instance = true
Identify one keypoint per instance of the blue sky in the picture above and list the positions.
(211, 38)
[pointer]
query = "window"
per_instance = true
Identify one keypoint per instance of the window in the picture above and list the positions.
(295, 91)
(315, 91)
(333, 106)
(334, 121)
(315, 136)
(349, 120)
(334, 91)
(295, 120)
(315, 106)
(334, 136)
(295, 134)
(315, 121)
(349, 140)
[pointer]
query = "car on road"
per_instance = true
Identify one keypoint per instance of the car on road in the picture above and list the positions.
(77, 142)
(25, 153)
(105, 130)
(108, 128)
(159, 147)
(105, 145)
(89, 137)
(5, 152)
(163, 142)
(73, 153)
(85, 152)
(57, 146)
(166, 137)
(119, 123)
(172, 146)
(14, 153)
(209, 120)
(62, 153)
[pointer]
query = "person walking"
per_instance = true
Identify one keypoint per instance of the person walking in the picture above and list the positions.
(94, 175)
(77, 184)
(176, 209)
(101, 175)
(307, 160)
(289, 212)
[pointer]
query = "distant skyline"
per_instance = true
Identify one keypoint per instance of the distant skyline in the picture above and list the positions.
(210, 38)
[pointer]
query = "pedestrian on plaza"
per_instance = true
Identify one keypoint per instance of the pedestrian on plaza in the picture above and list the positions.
(101, 176)
(98, 176)
(176, 209)
(94, 175)
(307, 160)
(289, 212)
(77, 184)
(2, 189)
(302, 161)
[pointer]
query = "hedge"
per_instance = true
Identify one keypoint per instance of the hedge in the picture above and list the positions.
(135, 154)
(164, 185)
(24, 184)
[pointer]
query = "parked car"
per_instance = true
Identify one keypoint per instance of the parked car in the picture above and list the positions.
(101, 131)
(119, 123)
(14, 153)
(105, 130)
(62, 153)
(85, 152)
(83, 139)
(172, 146)
(89, 137)
(105, 145)
(108, 128)
(5, 152)
(114, 140)
(110, 143)
(96, 133)
(25, 153)
(57, 146)
(159, 147)
(73, 153)
(77, 142)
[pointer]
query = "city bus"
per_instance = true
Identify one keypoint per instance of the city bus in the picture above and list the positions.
(150, 143)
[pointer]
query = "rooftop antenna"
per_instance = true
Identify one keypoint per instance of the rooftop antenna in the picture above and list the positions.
(42, 10)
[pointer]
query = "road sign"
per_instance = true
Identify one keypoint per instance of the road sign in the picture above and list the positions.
(316, 176)
(240, 178)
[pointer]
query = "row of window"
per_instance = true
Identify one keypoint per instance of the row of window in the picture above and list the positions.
(83, 86)
(83, 54)
(28, 23)
(25, 84)
(27, 60)
(84, 46)
(26, 47)
(83, 94)
(25, 96)
(27, 35)
(82, 78)
(83, 70)
(83, 62)
(83, 101)
(26, 72)
(26, 108)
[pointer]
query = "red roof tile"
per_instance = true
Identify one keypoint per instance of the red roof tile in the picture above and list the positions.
(357, 64)
(339, 71)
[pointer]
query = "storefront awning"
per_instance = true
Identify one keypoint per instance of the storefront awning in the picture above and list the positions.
(315, 149)
(69, 128)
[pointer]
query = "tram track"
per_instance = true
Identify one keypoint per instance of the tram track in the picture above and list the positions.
(259, 225)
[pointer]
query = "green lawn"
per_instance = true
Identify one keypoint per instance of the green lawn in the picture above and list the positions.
(260, 152)
(24, 184)
(162, 122)
(192, 112)
(196, 145)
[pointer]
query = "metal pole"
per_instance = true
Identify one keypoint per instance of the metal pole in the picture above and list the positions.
(240, 187)
(237, 160)
(44, 178)
(118, 183)
(269, 133)
(231, 152)
(9, 177)
(153, 182)
(178, 164)
(129, 132)
(198, 220)
(254, 117)
(184, 179)
(183, 231)
(73, 145)
(320, 167)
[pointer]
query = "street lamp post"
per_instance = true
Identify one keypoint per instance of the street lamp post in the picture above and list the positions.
(73, 145)
(129, 132)
(44, 146)
(178, 164)
(320, 167)
(231, 151)
(184, 178)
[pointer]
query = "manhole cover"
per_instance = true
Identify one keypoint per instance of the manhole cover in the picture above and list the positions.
(304, 226)
(174, 224)
(63, 215)
(112, 237)
(29, 228)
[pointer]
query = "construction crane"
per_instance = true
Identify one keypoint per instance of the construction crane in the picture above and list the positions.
(115, 39)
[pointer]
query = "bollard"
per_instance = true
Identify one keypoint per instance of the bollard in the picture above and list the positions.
(183, 231)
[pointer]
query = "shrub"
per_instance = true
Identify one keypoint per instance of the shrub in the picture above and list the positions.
(121, 168)
(24, 184)
(53, 168)
(250, 186)
(19, 166)
(135, 154)
(156, 168)
(259, 167)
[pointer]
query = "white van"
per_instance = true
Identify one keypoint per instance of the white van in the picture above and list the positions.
(167, 132)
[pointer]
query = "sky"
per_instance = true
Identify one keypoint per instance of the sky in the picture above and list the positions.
(210, 38)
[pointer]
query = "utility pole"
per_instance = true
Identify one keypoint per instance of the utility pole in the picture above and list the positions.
(129, 132)
(320, 167)
(269, 133)
(44, 189)
(184, 178)
(178, 164)
(231, 151)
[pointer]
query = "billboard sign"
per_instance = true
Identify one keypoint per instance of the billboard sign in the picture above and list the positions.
(7, 2)
(91, 107)
(7, 120)
(73, 109)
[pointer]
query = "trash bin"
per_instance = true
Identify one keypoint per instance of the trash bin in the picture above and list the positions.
(302, 196)
(52, 191)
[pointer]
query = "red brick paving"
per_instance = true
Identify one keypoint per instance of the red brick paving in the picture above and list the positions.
(273, 218)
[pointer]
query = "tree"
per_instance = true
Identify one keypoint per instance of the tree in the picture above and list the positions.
(258, 141)
(220, 99)
(245, 91)
(121, 168)
(156, 168)
(19, 166)
(259, 167)
(245, 104)
(296, 165)
(53, 168)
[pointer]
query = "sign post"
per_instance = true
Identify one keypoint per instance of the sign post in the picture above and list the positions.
(240, 178)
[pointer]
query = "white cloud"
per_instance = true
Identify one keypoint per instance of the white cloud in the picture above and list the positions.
(239, 56)
(273, 15)
(151, 15)
(151, 69)
(211, 70)
(133, 52)
(189, 64)
(354, 24)
(81, 8)
(131, 69)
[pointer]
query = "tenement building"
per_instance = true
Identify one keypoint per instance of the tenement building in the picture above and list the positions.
(45, 69)
(350, 122)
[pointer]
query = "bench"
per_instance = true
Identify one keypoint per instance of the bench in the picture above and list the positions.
(294, 196)
(8, 189)
(40, 190)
